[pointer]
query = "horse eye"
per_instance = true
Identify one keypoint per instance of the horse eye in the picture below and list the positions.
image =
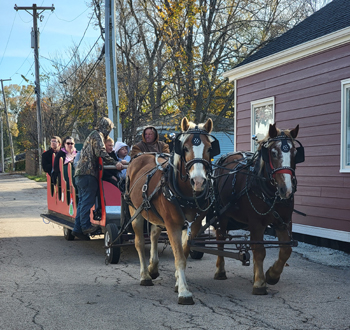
(185, 149)
(274, 153)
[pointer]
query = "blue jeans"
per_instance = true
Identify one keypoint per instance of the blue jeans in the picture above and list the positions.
(87, 190)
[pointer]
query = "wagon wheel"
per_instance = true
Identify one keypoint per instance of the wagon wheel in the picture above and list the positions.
(196, 254)
(112, 253)
(67, 233)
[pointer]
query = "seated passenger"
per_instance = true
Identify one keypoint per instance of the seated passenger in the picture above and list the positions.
(150, 143)
(110, 175)
(122, 152)
(46, 157)
(68, 153)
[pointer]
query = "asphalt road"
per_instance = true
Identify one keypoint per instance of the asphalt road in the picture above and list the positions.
(47, 282)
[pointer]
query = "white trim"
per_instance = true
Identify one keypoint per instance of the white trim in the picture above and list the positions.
(345, 84)
(253, 104)
(308, 48)
(337, 235)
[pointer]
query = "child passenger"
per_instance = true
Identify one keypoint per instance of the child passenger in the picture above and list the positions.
(122, 150)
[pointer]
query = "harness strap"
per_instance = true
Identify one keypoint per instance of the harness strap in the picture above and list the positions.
(121, 231)
(146, 199)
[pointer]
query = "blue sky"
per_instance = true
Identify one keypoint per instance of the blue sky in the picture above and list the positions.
(59, 30)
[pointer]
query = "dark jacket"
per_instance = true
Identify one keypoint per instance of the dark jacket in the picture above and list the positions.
(46, 160)
(156, 146)
(107, 174)
(94, 148)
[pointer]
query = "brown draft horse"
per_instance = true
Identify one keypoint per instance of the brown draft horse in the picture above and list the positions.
(174, 187)
(258, 190)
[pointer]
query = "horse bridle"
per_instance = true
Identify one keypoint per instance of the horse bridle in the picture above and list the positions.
(196, 141)
(266, 156)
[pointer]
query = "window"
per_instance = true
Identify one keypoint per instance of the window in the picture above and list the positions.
(262, 116)
(345, 127)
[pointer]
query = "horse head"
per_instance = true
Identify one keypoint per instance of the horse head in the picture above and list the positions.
(194, 149)
(279, 155)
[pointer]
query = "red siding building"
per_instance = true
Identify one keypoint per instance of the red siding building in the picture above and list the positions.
(303, 77)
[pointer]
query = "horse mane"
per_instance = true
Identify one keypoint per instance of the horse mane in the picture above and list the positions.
(192, 125)
(279, 131)
(201, 126)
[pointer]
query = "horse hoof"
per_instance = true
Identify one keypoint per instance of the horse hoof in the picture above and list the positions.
(220, 276)
(154, 275)
(260, 291)
(270, 280)
(146, 283)
(185, 301)
(176, 289)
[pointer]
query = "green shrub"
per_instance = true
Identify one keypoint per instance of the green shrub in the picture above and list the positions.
(20, 165)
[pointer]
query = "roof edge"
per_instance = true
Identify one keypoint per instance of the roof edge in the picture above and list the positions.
(308, 48)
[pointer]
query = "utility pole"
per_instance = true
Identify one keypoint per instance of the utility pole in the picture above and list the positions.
(111, 68)
(8, 127)
(35, 15)
(2, 144)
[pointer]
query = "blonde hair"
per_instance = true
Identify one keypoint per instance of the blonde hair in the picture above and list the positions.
(109, 139)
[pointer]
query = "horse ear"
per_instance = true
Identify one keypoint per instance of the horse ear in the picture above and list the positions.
(208, 126)
(273, 131)
(294, 132)
(184, 124)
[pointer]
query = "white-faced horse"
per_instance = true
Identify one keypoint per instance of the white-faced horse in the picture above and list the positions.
(259, 191)
(172, 192)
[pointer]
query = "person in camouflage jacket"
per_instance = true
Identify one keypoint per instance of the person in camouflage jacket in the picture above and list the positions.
(86, 175)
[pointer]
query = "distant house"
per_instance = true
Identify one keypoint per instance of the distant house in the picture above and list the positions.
(303, 77)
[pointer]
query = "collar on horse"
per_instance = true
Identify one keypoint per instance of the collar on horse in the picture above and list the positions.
(171, 191)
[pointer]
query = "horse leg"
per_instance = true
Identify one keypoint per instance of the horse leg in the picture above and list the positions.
(154, 258)
(274, 272)
(137, 225)
(221, 226)
(195, 227)
(184, 295)
(259, 253)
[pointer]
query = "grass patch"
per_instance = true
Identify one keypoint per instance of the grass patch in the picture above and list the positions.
(37, 178)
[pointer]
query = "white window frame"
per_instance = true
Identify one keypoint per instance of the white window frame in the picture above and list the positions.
(255, 104)
(345, 116)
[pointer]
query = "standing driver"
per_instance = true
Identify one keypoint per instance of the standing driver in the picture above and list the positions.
(46, 157)
(150, 143)
(86, 175)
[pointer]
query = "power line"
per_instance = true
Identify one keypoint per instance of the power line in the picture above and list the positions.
(65, 80)
(8, 39)
(22, 63)
(61, 19)
(76, 49)
(35, 14)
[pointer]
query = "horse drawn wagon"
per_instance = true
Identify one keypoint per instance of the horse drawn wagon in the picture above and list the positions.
(176, 192)
(62, 200)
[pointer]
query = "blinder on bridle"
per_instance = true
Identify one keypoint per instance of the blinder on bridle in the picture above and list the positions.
(270, 169)
(196, 141)
(298, 158)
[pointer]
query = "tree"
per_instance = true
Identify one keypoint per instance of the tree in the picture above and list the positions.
(172, 53)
